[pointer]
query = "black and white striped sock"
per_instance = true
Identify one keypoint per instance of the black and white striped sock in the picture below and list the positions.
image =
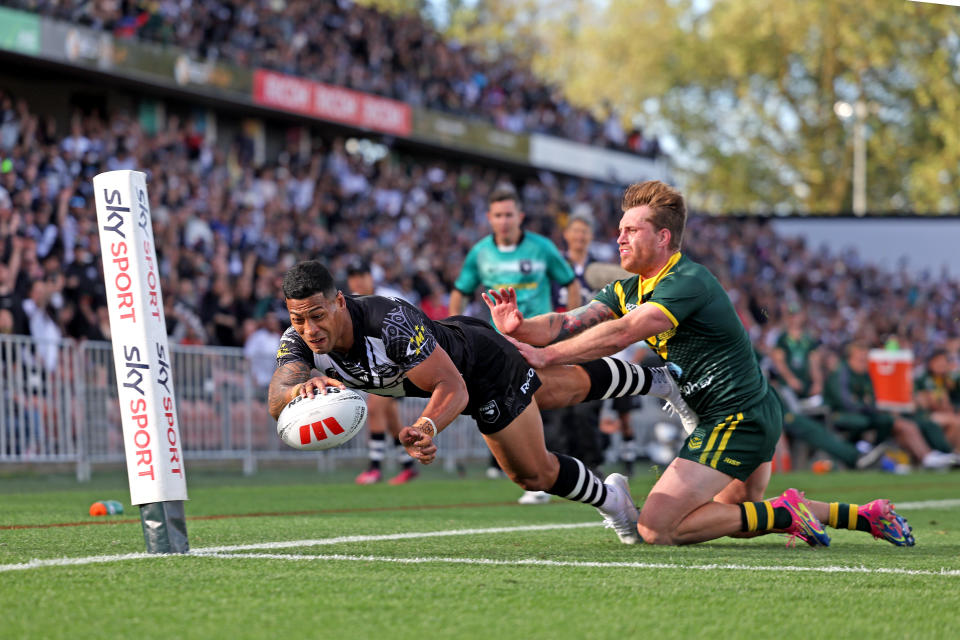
(576, 482)
(377, 448)
(616, 378)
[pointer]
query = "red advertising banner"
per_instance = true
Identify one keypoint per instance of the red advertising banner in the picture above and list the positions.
(327, 102)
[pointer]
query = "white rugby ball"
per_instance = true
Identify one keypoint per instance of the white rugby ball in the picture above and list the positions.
(324, 421)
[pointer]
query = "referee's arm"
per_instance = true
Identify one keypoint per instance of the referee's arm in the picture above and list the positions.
(457, 302)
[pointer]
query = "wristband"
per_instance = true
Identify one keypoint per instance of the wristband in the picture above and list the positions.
(433, 425)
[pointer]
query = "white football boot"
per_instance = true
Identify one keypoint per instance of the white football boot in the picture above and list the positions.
(664, 386)
(618, 511)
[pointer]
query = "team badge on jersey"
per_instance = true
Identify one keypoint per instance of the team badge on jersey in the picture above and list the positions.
(416, 341)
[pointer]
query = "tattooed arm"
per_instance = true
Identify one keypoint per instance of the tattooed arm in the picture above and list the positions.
(285, 385)
(580, 319)
(546, 328)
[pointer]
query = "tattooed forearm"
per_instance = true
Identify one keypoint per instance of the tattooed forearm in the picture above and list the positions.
(284, 379)
(581, 319)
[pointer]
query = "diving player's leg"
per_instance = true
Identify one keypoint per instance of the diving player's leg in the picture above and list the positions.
(566, 385)
(519, 448)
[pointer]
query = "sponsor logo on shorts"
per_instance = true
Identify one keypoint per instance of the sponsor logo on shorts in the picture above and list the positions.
(525, 387)
(696, 439)
(732, 462)
(489, 412)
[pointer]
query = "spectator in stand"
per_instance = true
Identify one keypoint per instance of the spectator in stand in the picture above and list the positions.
(938, 394)
(798, 364)
(849, 393)
(348, 44)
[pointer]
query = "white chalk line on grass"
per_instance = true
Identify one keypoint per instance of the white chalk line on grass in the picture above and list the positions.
(225, 551)
(288, 544)
(575, 563)
(928, 504)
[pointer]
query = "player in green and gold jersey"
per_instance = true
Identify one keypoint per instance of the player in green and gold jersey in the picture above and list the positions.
(715, 486)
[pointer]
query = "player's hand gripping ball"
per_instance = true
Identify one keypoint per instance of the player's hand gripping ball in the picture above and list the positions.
(324, 421)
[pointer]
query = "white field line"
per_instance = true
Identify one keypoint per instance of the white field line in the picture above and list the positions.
(288, 544)
(928, 504)
(224, 551)
(573, 563)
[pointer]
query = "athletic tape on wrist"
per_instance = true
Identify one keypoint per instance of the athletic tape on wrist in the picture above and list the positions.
(433, 425)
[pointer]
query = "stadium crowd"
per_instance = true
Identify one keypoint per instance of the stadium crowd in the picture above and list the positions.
(346, 44)
(226, 231)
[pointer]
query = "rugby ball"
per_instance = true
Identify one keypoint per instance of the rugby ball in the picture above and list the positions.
(324, 421)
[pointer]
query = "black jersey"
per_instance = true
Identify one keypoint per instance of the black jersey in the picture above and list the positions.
(390, 337)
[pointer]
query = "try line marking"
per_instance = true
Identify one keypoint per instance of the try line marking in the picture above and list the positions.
(230, 552)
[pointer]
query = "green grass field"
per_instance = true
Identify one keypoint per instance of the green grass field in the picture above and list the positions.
(467, 579)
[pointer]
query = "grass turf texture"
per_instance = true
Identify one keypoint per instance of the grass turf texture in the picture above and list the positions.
(203, 597)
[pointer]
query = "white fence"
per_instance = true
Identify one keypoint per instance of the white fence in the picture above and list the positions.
(58, 403)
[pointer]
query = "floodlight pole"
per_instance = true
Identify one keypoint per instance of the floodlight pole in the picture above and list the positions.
(859, 158)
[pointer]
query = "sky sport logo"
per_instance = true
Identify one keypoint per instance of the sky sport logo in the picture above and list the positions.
(317, 428)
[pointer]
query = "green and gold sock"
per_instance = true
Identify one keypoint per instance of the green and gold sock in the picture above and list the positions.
(763, 516)
(845, 516)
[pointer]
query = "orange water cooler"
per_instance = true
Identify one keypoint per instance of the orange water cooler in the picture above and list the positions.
(892, 375)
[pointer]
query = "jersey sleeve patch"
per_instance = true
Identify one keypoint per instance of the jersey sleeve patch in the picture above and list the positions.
(293, 349)
(407, 337)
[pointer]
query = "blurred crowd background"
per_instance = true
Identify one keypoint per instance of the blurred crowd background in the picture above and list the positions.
(350, 45)
(229, 222)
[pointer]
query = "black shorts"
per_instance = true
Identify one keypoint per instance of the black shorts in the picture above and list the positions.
(500, 382)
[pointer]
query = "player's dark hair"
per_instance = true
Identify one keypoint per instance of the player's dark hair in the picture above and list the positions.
(305, 279)
(503, 192)
(669, 210)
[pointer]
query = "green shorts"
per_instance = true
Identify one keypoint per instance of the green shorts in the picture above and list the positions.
(737, 443)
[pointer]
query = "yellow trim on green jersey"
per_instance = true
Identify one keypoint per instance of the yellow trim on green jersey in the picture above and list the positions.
(666, 312)
(705, 338)
(618, 289)
(646, 286)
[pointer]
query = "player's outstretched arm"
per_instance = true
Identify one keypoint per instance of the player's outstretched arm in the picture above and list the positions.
(602, 339)
(448, 397)
(283, 385)
(546, 328)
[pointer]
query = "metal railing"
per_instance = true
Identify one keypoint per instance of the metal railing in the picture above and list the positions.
(58, 403)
